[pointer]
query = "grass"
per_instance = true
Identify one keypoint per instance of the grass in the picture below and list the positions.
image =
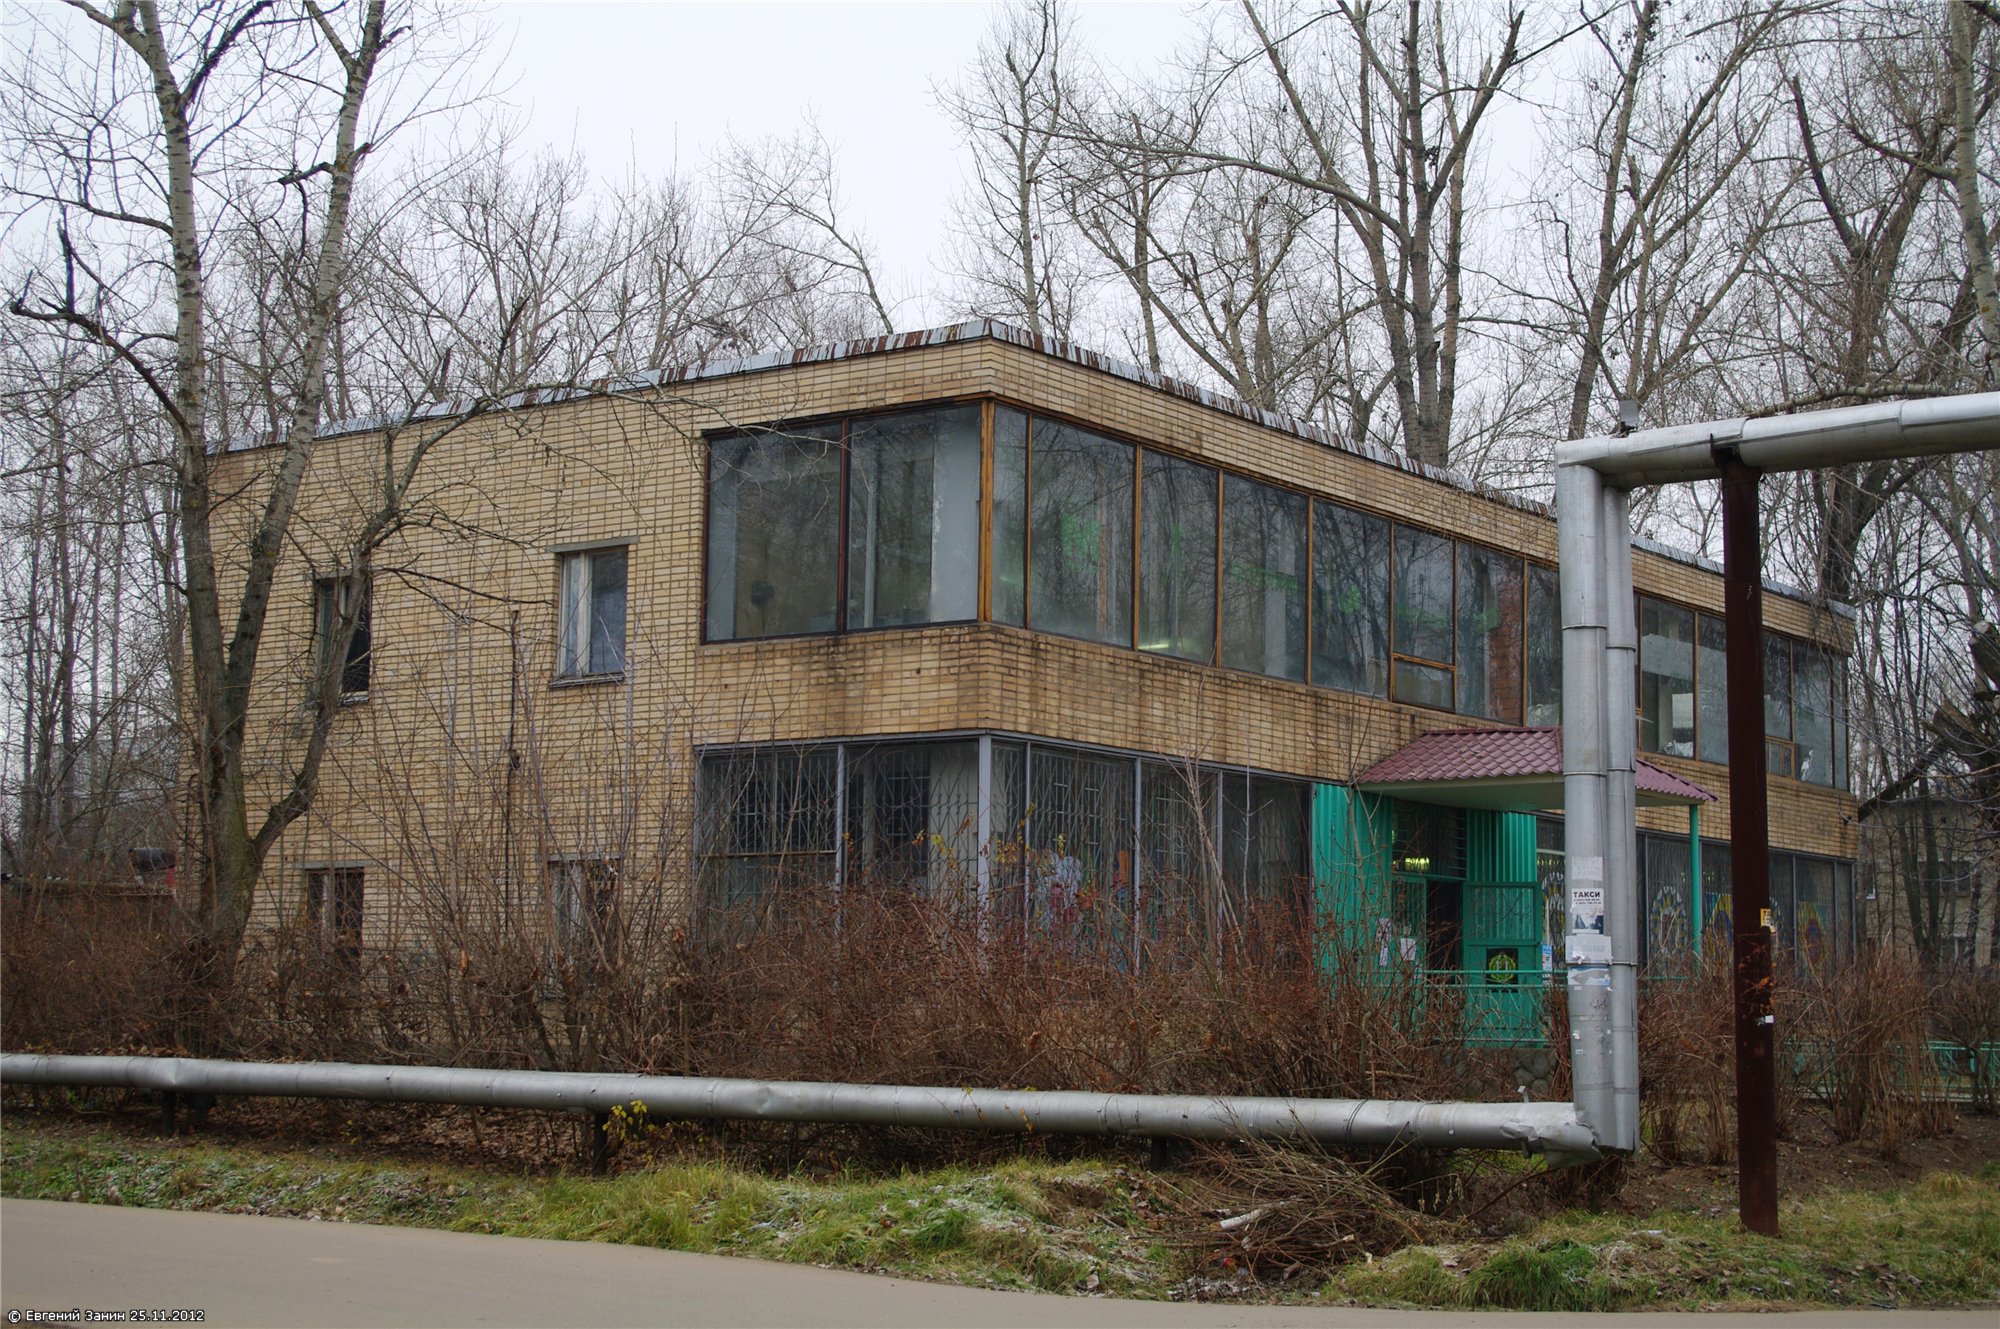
(1936, 1242)
(1031, 1223)
(1019, 1224)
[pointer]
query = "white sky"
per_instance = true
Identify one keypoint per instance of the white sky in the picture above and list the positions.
(650, 84)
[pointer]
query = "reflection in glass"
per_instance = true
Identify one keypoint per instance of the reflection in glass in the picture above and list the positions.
(1712, 670)
(1666, 678)
(772, 495)
(1177, 558)
(1350, 600)
(1545, 655)
(913, 518)
(1263, 579)
(1010, 516)
(1080, 534)
(1812, 715)
(1489, 634)
(1423, 617)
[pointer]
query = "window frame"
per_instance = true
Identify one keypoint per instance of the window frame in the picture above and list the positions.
(584, 554)
(584, 891)
(335, 918)
(326, 610)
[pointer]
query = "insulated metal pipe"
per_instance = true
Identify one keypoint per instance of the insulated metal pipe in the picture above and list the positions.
(1551, 1129)
(1587, 949)
(1591, 672)
(1621, 834)
(1930, 427)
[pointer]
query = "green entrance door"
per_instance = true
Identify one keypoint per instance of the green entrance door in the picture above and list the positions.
(1503, 962)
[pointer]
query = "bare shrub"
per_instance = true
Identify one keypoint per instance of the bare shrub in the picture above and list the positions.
(1965, 1014)
(1279, 1210)
(87, 968)
(1687, 1062)
(1861, 1041)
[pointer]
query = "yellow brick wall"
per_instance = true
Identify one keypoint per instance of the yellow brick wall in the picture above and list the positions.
(420, 782)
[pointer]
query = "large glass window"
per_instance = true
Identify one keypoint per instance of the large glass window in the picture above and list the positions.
(1712, 670)
(1669, 903)
(913, 817)
(1177, 558)
(1423, 618)
(1489, 634)
(1010, 516)
(1545, 651)
(1263, 853)
(1717, 909)
(1080, 840)
(1778, 705)
(1812, 715)
(1815, 921)
(1263, 578)
(1080, 533)
(1666, 678)
(1350, 600)
(773, 530)
(1177, 853)
(913, 518)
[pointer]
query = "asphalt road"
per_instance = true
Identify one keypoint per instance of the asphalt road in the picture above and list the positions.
(240, 1270)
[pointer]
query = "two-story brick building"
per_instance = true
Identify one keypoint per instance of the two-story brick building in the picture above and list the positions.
(978, 613)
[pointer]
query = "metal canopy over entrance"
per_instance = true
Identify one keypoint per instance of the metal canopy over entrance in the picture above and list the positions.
(1482, 916)
(1515, 769)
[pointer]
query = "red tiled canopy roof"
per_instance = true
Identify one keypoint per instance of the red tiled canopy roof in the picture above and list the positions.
(1516, 768)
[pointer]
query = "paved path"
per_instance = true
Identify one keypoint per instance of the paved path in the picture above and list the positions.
(241, 1270)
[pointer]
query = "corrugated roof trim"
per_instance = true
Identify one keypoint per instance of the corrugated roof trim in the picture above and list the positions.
(1447, 755)
(995, 330)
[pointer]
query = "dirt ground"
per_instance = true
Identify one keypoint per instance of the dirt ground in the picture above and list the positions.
(1810, 1162)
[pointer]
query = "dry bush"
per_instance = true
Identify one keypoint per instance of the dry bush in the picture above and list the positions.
(1276, 1210)
(87, 970)
(1965, 1014)
(1687, 1062)
(892, 988)
(1861, 1041)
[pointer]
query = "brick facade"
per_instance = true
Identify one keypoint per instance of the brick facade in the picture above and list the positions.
(467, 746)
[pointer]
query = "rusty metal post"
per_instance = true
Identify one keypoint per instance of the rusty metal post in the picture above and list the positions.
(600, 1143)
(1749, 849)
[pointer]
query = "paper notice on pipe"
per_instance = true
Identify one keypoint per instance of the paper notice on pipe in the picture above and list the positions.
(1588, 948)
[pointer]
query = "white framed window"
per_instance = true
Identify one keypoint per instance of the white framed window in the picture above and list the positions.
(591, 608)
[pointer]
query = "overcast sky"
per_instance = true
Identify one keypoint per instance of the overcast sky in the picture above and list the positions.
(651, 84)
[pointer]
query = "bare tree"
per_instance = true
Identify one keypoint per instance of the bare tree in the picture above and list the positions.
(1672, 211)
(1017, 260)
(201, 124)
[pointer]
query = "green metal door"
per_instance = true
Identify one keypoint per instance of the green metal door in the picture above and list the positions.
(1503, 930)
